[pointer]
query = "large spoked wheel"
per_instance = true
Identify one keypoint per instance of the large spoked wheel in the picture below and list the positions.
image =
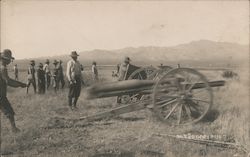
(182, 96)
(161, 72)
(143, 73)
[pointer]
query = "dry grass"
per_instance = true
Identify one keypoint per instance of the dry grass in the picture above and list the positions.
(44, 134)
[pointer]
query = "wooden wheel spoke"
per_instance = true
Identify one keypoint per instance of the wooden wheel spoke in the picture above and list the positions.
(140, 76)
(188, 111)
(197, 111)
(167, 102)
(172, 110)
(180, 114)
(197, 99)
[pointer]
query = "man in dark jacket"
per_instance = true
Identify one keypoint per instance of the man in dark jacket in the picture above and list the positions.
(41, 79)
(60, 74)
(5, 59)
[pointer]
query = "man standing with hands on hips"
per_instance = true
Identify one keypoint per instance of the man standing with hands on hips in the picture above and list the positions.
(74, 76)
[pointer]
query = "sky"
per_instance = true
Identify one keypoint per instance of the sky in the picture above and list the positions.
(32, 28)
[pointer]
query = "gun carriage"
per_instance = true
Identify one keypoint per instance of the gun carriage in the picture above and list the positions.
(178, 96)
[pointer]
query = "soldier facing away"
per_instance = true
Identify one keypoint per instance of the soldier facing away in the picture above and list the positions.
(5, 59)
(74, 76)
(31, 76)
(41, 79)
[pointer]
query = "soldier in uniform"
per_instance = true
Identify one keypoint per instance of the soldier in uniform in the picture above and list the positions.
(74, 77)
(46, 68)
(31, 76)
(60, 74)
(125, 70)
(94, 71)
(55, 75)
(16, 72)
(41, 79)
(5, 59)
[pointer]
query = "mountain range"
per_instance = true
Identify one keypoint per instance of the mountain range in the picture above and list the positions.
(196, 53)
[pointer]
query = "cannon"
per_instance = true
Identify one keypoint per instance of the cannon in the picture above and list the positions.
(178, 96)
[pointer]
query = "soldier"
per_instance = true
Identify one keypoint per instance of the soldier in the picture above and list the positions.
(125, 70)
(74, 76)
(60, 74)
(46, 68)
(55, 75)
(16, 72)
(41, 79)
(117, 68)
(94, 71)
(31, 76)
(5, 58)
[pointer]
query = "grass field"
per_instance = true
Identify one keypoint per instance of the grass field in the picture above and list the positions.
(45, 134)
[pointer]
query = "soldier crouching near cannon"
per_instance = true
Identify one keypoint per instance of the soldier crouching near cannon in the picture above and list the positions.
(74, 75)
(5, 59)
(125, 70)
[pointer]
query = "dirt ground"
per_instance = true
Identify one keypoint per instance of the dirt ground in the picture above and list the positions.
(46, 128)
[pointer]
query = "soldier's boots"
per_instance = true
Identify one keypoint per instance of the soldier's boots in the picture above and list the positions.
(15, 130)
(75, 101)
(72, 107)
(70, 103)
(13, 124)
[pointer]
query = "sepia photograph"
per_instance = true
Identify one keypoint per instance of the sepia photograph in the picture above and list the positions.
(127, 78)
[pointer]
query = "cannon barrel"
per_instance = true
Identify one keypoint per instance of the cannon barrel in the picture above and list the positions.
(129, 87)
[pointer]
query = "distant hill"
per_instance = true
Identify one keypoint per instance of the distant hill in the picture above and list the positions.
(196, 53)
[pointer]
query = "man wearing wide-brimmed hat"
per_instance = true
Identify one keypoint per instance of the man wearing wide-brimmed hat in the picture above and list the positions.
(5, 59)
(74, 76)
(31, 76)
(46, 68)
(41, 79)
(125, 70)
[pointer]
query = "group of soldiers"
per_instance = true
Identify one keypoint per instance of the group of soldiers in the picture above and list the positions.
(73, 74)
(45, 76)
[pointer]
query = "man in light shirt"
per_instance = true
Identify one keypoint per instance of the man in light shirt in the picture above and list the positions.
(46, 68)
(74, 76)
(94, 71)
